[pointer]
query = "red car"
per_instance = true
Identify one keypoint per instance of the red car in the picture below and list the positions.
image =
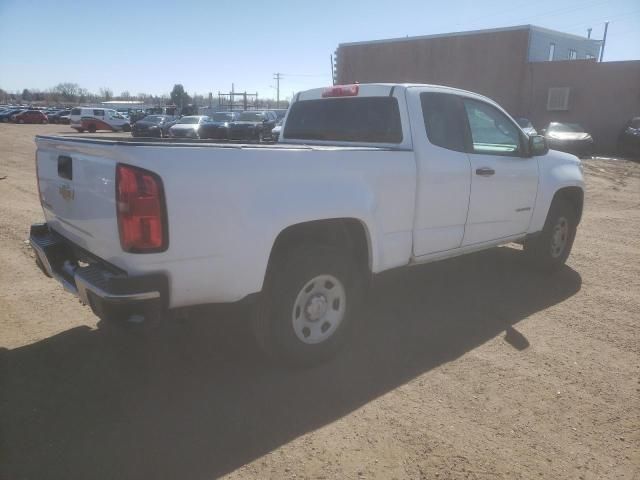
(30, 116)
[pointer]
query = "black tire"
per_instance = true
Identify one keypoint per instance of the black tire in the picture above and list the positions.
(273, 319)
(91, 128)
(126, 128)
(80, 130)
(549, 250)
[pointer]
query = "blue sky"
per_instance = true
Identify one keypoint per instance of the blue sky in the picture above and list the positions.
(148, 46)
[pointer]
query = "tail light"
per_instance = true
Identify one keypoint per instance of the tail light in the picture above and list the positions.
(141, 210)
(341, 91)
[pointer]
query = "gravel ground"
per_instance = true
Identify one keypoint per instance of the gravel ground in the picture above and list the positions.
(469, 368)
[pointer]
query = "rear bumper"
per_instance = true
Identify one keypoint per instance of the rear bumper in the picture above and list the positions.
(95, 282)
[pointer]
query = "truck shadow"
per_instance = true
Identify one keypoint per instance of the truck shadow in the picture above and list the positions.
(196, 401)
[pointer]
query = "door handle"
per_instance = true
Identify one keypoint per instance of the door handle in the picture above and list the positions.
(485, 171)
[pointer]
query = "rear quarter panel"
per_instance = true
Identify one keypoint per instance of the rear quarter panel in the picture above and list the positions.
(226, 206)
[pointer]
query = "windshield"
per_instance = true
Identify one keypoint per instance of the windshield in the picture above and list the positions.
(221, 117)
(189, 120)
(251, 117)
(566, 127)
(153, 118)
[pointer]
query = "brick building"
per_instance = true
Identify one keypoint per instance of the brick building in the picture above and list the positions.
(532, 72)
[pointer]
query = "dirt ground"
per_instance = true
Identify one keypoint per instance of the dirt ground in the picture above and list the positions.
(470, 368)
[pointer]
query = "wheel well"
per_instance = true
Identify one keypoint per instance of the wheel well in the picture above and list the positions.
(574, 196)
(347, 233)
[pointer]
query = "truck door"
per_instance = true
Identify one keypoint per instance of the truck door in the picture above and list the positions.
(444, 170)
(504, 182)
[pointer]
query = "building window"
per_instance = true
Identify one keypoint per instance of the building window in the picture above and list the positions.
(558, 99)
(572, 54)
(588, 56)
(552, 50)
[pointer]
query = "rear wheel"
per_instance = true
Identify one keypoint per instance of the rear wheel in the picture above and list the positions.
(91, 128)
(551, 248)
(126, 128)
(309, 305)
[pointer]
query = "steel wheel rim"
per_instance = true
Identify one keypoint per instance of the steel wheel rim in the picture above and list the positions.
(559, 237)
(319, 309)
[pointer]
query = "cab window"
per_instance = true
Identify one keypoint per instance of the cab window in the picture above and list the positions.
(492, 132)
(98, 113)
(444, 120)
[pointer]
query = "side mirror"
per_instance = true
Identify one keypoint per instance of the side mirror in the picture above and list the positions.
(538, 145)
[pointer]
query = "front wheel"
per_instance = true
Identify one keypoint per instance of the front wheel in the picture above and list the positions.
(309, 305)
(550, 249)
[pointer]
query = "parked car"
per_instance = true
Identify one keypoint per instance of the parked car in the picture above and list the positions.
(5, 116)
(93, 119)
(275, 131)
(629, 139)
(29, 116)
(188, 127)
(153, 126)
(280, 113)
(526, 125)
(61, 116)
(217, 125)
(569, 137)
(361, 186)
(252, 125)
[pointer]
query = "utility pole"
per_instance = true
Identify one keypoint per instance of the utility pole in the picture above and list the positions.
(589, 32)
(604, 40)
(277, 77)
(333, 73)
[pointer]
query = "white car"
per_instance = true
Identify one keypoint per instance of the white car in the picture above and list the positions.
(187, 127)
(365, 178)
(93, 119)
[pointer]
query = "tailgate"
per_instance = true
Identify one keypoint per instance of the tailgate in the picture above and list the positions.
(77, 192)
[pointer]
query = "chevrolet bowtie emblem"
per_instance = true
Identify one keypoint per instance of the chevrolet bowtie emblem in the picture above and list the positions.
(66, 192)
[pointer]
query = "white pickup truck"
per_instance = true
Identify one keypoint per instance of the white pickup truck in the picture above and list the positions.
(364, 178)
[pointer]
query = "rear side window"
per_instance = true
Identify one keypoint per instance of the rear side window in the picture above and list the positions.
(444, 120)
(76, 111)
(364, 119)
(98, 113)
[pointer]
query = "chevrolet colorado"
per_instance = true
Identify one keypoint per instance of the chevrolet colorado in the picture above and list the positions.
(365, 178)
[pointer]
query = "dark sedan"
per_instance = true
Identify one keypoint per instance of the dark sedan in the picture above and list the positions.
(61, 116)
(570, 138)
(153, 126)
(253, 125)
(217, 125)
(629, 139)
(5, 116)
